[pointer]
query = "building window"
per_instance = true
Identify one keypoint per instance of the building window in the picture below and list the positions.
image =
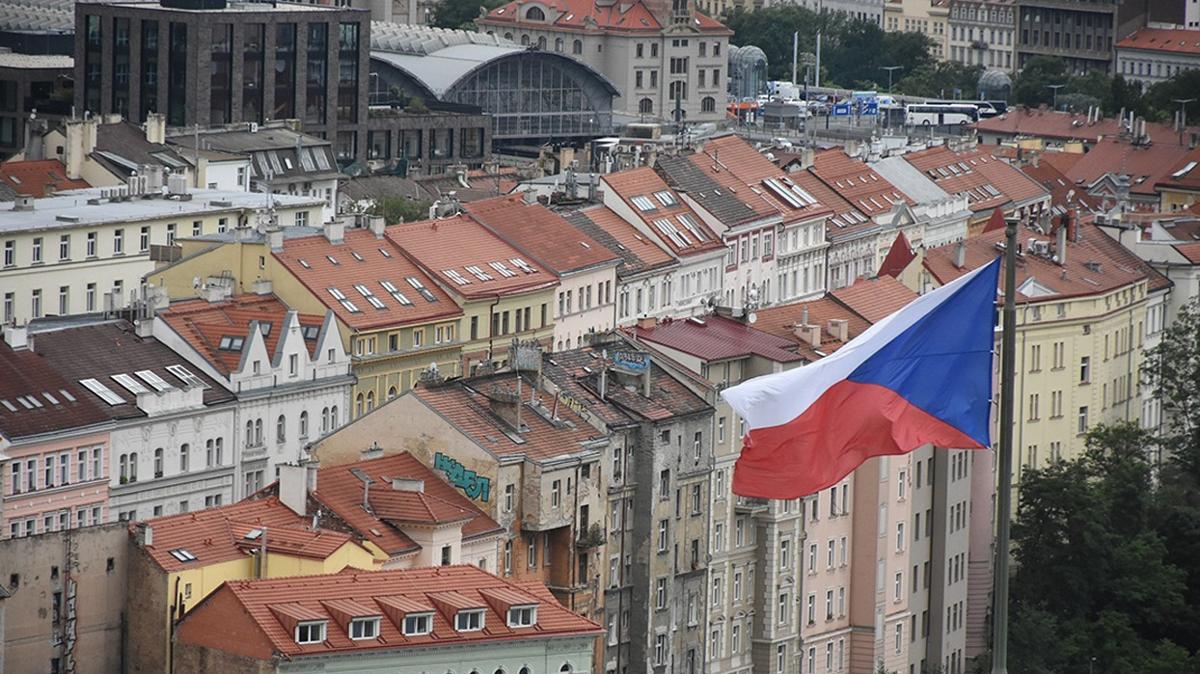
(417, 624)
(646, 106)
(310, 632)
(364, 628)
(708, 104)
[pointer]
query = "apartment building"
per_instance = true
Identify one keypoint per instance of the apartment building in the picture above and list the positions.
(663, 56)
(288, 370)
(215, 63)
(456, 618)
(658, 473)
(944, 216)
(85, 251)
(55, 441)
(1059, 130)
(1081, 32)
(178, 560)
(172, 424)
(863, 10)
(392, 318)
(928, 17)
(982, 32)
(1151, 55)
(586, 270)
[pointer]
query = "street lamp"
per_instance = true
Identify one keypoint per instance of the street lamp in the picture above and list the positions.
(890, 70)
(1182, 115)
(1055, 88)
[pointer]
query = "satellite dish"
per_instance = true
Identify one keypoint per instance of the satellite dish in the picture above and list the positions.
(753, 318)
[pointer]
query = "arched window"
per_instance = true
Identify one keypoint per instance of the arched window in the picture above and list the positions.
(280, 429)
(678, 90)
(258, 433)
(535, 14)
(304, 424)
(133, 467)
(542, 42)
(124, 468)
(524, 670)
(249, 433)
(158, 462)
(708, 104)
(646, 106)
(324, 420)
(391, 392)
(370, 400)
(508, 36)
(333, 417)
(577, 47)
(525, 40)
(358, 405)
(184, 450)
(566, 668)
(558, 44)
(220, 445)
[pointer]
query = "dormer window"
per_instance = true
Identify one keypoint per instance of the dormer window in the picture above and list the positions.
(469, 621)
(416, 624)
(522, 616)
(312, 632)
(535, 14)
(364, 628)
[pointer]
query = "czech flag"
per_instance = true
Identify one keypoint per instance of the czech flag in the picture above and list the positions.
(922, 375)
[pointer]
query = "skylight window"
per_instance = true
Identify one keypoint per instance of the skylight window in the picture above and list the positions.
(421, 289)
(10, 406)
(416, 624)
(522, 265)
(370, 296)
(132, 385)
(479, 273)
(778, 189)
(231, 343)
(354, 254)
(156, 382)
(456, 277)
(254, 534)
(332, 260)
(183, 555)
(383, 252)
(186, 376)
(102, 391)
(310, 331)
(50, 398)
(395, 293)
(1187, 168)
(504, 271)
(665, 198)
(337, 294)
(66, 394)
(687, 221)
(304, 263)
(642, 203)
(670, 231)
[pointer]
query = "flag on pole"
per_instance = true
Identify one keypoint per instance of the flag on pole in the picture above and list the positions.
(921, 375)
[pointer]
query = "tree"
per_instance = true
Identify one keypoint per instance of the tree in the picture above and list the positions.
(1160, 98)
(461, 13)
(940, 79)
(401, 209)
(1172, 370)
(1030, 87)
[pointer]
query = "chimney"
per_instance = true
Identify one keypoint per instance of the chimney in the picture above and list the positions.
(145, 535)
(1060, 248)
(80, 142)
(335, 231)
(529, 196)
(262, 286)
(506, 406)
(144, 327)
(275, 240)
(960, 255)
(23, 202)
(156, 128)
(408, 484)
(647, 322)
(376, 224)
(839, 328)
(808, 333)
(294, 487)
(17, 337)
(372, 452)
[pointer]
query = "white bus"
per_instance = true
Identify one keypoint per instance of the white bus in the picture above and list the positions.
(986, 108)
(941, 114)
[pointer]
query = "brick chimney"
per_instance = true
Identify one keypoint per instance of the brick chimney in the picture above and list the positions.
(808, 333)
(840, 329)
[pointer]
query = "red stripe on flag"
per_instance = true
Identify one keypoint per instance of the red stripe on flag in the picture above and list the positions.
(849, 424)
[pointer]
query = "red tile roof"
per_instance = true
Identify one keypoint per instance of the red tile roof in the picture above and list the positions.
(467, 407)
(1063, 126)
(875, 298)
(265, 611)
(1190, 252)
(638, 252)
(36, 399)
(1145, 165)
(219, 534)
(309, 260)
(1091, 267)
(204, 324)
(857, 183)
(1170, 40)
(716, 338)
(341, 492)
(664, 211)
(846, 219)
(33, 177)
(986, 181)
(591, 14)
(764, 178)
(541, 233)
(782, 320)
(1064, 193)
(425, 243)
(1184, 174)
(898, 258)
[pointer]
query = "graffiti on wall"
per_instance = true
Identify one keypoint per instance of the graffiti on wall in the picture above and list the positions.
(475, 487)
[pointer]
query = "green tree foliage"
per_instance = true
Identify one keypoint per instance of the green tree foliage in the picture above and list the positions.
(396, 208)
(1031, 86)
(1160, 98)
(461, 13)
(940, 79)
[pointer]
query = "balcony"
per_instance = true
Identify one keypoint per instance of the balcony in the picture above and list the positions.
(750, 505)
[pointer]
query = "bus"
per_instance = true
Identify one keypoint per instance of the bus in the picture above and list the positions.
(941, 114)
(986, 108)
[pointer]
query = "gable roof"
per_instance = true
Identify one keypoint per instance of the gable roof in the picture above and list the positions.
(273, 606)
(677, 227)
(1169, 40)
(33, 177)
(634, 17)
(425, 243)
(329, 269)
(986, 181)
(898, 258)
(707, 186)
(874, 298)
(231, 532)
(1146, 165)
(207, 325)
(1064, 126)
(36, 399)
(543, 234)
(763, 178)
(638, 253)
(341, 491)
(715, 338)
(857, 183)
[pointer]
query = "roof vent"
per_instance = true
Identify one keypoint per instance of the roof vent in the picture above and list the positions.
(23, 202)
(408, 484)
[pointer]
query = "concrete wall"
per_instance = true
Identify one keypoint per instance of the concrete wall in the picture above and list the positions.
(88, 565)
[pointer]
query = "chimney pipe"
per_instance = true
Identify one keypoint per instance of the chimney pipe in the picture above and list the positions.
(960, 255)
(1060, 248)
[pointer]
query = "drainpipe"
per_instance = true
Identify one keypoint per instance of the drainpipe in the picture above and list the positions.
(491, 336)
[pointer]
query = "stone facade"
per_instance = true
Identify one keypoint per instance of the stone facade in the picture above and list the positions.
(982, 33)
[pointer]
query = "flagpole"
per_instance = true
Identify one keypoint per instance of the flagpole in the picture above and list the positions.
(1004, 502)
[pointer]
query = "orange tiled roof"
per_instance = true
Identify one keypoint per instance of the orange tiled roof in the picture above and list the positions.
(473, 247)
(1064, 126)
(781, 320)
(1175, 41)
(1185, 173)
(543, 234)
(986, 181)
(764, 178)
(205, 324)
(328, 269)
(1146, 165)
(341, 491)
(590, 15)
(857, 183)
(466, 406)
(846, 219)
(874, 298)
(898, 258)
(663, 211)
(220, 534)
(638, 252)
(32, 177)
(266, 611)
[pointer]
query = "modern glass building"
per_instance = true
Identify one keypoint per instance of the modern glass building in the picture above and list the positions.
(747, 72)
